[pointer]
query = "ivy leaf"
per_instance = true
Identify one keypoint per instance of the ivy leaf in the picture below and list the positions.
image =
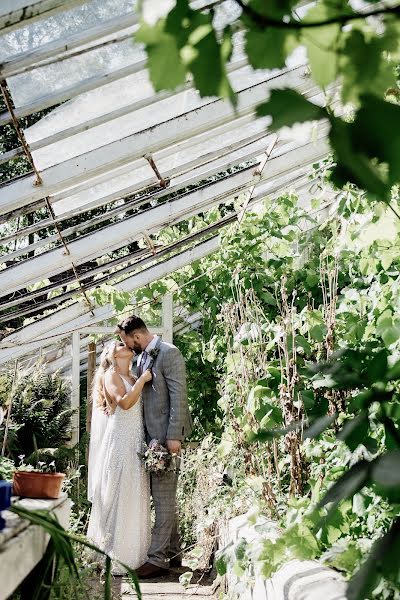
(363, 65)
(203, 53)
(377, 367)
(221, 565)
(355, 431)
(386, 469)
(163, 59)
(354, 166)
(287, 107)
(350, 483)
(269, 48)
(319, 426)
(320, 43)
(383, 560)
(376, 132)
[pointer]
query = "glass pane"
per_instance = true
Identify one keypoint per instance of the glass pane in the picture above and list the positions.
(221, 142)
(30, 87)
(113, 96)
(62, 24)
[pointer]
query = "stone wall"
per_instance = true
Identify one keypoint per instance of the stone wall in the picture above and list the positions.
(296, 580)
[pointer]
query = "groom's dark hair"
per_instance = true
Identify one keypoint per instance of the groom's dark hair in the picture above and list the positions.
(132, 323)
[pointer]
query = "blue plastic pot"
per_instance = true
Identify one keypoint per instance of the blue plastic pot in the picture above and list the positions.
(5, 499)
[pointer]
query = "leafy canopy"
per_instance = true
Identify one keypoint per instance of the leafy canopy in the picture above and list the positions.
(342, 46)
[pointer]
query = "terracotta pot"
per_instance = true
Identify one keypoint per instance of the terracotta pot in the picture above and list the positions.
(29, 484)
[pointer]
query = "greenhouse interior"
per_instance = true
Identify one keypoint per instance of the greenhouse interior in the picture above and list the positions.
(199, 296)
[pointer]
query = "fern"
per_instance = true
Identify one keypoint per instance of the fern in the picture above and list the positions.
(40, 409)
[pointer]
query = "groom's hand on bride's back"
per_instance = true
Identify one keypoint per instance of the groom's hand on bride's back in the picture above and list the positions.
(174, 446)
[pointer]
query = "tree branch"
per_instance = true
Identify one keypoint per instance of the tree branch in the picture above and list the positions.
(265, 21)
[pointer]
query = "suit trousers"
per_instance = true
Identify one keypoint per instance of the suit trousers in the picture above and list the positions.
(165, 537)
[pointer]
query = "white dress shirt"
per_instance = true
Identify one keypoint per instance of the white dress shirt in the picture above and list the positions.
(148, 348)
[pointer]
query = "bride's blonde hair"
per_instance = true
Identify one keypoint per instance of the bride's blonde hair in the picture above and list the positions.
(107, 362)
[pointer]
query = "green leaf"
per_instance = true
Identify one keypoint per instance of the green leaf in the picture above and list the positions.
(221, 565)
(225, 447)
(268, 415)
(346, 560)
(303, 343)
(312, 279)
(364, 66)
(203, 53)
(321, 43)
(352, 165)
(350, 483)
(386, 469)
(319, 426)
(394, 372)
(317, 332)
(376, 132)
(355, 431)
(287, 107)
(383, 560)
(392, 334)
(384, 321)
(268, 297)
(163, 59)
(269, 48)
(308, 398)
(377, 367)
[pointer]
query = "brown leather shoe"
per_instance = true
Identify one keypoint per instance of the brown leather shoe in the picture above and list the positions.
(148, 571)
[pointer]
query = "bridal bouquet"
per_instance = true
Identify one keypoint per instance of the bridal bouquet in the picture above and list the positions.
(157, 459)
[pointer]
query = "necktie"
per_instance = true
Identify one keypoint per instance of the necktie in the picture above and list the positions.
(143, 362)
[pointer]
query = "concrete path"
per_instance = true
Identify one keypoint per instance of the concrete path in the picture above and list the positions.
(169, 588)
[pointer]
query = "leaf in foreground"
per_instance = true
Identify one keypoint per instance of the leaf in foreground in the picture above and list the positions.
(383, 561)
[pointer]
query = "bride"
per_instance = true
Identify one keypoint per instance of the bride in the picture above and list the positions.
(118, 485)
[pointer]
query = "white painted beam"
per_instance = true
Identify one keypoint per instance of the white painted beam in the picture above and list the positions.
(164, 154)
(17, 13)
(85, 86)
(62, 47)
(131, 229)
(57, 49)
(75, 388)
(87, 124)
(168, 318)
(61, 176)
(67, 93)
(127, 231)
(76, 316)
(225, 158)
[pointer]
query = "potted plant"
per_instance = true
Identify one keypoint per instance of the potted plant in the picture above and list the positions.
(42, 481)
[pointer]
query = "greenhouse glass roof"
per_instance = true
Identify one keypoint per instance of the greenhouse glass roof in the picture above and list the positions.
(147, 159)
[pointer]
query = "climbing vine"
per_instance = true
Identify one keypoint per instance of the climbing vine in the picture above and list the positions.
(298, 341)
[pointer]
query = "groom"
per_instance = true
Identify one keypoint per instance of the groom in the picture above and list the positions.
(167, 419)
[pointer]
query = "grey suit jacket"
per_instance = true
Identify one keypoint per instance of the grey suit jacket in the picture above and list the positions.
(165, 404)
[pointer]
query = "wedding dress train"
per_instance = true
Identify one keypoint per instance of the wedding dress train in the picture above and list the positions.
(119, 487)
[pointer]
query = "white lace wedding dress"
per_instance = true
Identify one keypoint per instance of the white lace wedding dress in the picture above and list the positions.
(119, 487)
